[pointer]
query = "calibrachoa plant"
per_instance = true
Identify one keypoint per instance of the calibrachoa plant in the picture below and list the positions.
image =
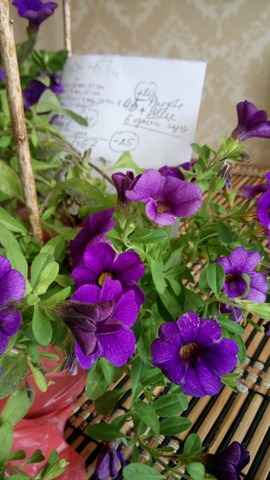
(115, 292)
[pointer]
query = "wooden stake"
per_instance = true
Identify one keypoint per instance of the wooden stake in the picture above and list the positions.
(67, 25)
(15, 102)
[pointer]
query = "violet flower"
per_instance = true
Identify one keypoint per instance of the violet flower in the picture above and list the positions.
(102, 261)
(100, 320)
(227, 464)
(2, 75)
(263, 211)
(251, 191)
(167, 171)
(122, 183)
(109, 461)
(35, 11)
(166, 198)
(92, 232)
(191, 353)
(36, 88)
(12, 288)
(251, 122)
(266, 327)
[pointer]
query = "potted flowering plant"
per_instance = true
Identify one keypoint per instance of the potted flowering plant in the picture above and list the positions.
(104, 289)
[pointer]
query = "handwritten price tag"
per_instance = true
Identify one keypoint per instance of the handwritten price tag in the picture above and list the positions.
(148, 106)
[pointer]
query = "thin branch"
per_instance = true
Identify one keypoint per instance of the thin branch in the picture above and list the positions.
(14, 95)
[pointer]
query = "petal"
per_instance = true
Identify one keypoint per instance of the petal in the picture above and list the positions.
(88, 294)
(170, 333)
(209, 332)
(111, 290)
(5, 266)
(164, 218)
(184, 199)
(210, 382)
(83, 275)
(225, 263)
(99, 258)
(3, 342)
(263, 209)
(85, 361)
(163, 352)
(235, 287)
(147, 187)
(258, 288)
(12, 287)
(126, 310)
(118, 346)
(10, 321)
(250, 191)
(189, 326)
(191, 385)
(238, 258)
(221, 357)
(129, 267)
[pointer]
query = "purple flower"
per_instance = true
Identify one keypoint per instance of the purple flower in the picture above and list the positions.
(263, 211)
(167, 171)
(12, 283)
(191, 353)
(92, 232)
(227, 464)
(166, 197)
(122, 183)
(35, 11)
(243, 262)
(250, 191)
(2, 75)
(109, 460)
(100, 320)
(12, 287)
(251, 122)
(36, 88)
(101, 262)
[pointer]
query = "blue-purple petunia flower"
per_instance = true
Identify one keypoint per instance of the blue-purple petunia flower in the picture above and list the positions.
(122, 182)
(92, 232)
(227, 464)
(167, 171)
(109, 460)
(251, 191)
(36, 88)
(101, 320)
(102, 261)
(263, 211)
(12, 288)
(251, 122)
(166, 198)
(191, 353)
(35, 11)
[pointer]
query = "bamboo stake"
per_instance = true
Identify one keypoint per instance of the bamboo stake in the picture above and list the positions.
(14, 95)
(67, 25)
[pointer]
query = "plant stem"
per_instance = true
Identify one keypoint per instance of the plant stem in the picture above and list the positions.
(14, 95)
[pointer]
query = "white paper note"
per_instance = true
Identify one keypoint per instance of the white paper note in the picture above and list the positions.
(148, 106)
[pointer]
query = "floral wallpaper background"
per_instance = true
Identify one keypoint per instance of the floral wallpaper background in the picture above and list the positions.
(232, 36)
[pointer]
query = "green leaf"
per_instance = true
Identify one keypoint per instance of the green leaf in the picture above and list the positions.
(146, 236)
(126, 161)
(48, 102)
(82, 192)
(108, 400)
(171, 303)
(38, 265)
(55, 246)
(99, 378)
(157, 270)
(16, 407)
(225, 234)
(56, 298)
(196, 470)
(148, 416)
(192, 445)
(77, 118)
(19, 476)
(231, 326)
(36, 457)
(139, 471)
(7, 239)
(168, 405)
(17, 260)
(17, 455)
(41, 326)
(173, 426)
(14, 371)
(46, 277)
(104, 431)
(6, 436)
(10, 182)
(262, 310)
(215, 277)
(12, 223)
(39, 378)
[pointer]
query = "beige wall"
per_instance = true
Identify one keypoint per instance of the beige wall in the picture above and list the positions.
(232, 36)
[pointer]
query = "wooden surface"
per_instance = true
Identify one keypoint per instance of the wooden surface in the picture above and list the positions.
(219, 420)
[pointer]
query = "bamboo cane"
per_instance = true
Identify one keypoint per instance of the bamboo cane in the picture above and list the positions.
(67, 25)
(15, 102)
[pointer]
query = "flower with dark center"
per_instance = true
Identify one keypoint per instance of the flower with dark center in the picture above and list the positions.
(166, 198)
(191, 353)
(102, 261)
(109, 460)
(100, 320)
(227, 464)
(92, 232)
(251, 122)
(35, 11)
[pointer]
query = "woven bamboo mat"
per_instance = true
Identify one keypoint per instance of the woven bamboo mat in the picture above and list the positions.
(243, 416)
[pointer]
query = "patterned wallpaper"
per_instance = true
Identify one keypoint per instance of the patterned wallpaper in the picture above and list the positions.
(232, 36)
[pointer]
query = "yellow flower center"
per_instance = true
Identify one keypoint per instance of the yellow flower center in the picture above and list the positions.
(162, 207)
(103, 277)
(189, 351)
